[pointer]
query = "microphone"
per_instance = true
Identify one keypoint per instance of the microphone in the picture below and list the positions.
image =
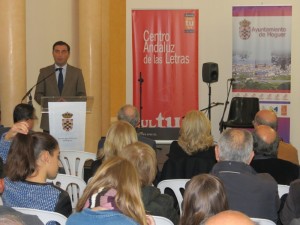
(28, 93)
(218, 103)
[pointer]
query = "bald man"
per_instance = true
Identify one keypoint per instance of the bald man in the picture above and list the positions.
(229, 217)
(286, 151)
(265, 146)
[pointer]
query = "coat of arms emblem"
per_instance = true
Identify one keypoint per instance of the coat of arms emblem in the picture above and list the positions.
(245, 29)
(67, 121)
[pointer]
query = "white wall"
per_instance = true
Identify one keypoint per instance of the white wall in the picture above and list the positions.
(215, 45)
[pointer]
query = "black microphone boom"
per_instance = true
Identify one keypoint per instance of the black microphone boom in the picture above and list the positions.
(28, 93)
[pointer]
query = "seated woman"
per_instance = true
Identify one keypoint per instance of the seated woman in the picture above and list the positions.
(194, 152)
(32, 159)
(119, 134)
(111, 197)
(204, 197)
(144, 159)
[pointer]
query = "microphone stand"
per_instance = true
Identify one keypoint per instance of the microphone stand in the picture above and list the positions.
(141, 80)
(28, 93)
(221, 127)
(214, 104)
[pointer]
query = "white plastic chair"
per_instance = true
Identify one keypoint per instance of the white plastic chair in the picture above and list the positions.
(283, 189)
(175, 185)
(74, 185)
(159, 220)
(44, 216)
(261, 221)
(73, 161)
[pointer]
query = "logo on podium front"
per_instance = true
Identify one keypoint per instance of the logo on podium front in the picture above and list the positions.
(67, 121)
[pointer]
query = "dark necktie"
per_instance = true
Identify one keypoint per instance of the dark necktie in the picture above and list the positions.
(60, 82)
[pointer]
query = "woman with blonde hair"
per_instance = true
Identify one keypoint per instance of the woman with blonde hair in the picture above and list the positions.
(112, 196)
(204, 197)
(144, 160)
(119, 134)
(193, 153)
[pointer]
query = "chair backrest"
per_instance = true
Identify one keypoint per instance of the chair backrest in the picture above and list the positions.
(283, 189)
(261, 221)
(73, 161)
(44, 216)
(176, 185)
(159, 220)
(72, 184)
(242, 112)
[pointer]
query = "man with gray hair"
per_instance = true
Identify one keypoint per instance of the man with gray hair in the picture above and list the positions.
(247, 191)
(130, 114)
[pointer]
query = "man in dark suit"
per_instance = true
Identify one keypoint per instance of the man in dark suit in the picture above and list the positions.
(247, 191)
(265, 145)
(63, 79)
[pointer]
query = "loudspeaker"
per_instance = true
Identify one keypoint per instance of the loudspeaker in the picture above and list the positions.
(210, 72)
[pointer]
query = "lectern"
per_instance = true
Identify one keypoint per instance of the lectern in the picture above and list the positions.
(67, 118)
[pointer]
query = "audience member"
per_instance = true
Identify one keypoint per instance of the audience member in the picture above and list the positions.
(112, 196)
(286, 151)
(130, 114)
(295, 221)
(265, 142)
(291, 208)
(247, 191)
(229, 217)
(24, 117)
(144, 159)
(119, 134)
(193, 153)
(204, 196)
(10, 216)
(32, 159)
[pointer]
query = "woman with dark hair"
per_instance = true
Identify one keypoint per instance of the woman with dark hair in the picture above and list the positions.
(204, 197)
(32, 159)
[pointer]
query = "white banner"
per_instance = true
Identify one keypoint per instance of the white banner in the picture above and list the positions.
(67, 124)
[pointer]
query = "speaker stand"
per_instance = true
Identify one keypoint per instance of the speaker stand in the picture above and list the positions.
(209, 102)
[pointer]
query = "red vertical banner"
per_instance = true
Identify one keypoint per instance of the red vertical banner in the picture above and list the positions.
(165, 56)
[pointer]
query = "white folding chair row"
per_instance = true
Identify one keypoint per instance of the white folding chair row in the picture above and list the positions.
(73, 184)
(73, 161)
(283, 189)
(44, 216)
(159, 220)
(261, 221)
(175, 185)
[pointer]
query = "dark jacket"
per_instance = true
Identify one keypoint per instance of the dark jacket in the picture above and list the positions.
(291, 207)
(158, 204)
(254, 194)
(284, 172)
(180, 165)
